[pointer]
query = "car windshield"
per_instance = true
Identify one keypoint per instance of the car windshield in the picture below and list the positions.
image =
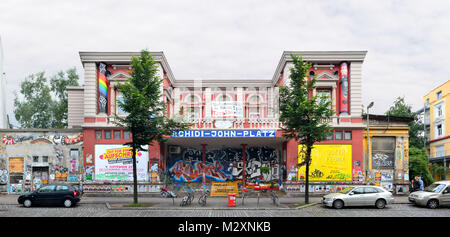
(347, 190)
(435, 188)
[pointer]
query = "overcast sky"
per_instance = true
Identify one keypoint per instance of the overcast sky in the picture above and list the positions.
(408, 42)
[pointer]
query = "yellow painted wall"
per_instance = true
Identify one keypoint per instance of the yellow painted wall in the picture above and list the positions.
(401, 167)
(445, 89)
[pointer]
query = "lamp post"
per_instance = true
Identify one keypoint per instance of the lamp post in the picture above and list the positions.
(367, 142)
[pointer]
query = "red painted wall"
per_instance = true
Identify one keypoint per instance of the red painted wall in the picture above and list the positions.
(155, 151)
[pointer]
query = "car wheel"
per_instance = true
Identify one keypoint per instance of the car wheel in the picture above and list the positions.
(380, 203)
(68, 203)
(432, 204)
(338, 204)
(27, 203)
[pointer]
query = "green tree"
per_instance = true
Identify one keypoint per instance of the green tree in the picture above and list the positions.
(402, 109)
(303, 115)
(35, 110)
(38, 108)
(146, 113)
(59, 84)
(418, 165)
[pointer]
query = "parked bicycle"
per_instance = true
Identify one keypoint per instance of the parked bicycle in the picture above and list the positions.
(274, 196)
(187, 199)
(243, 193)
(203, 197)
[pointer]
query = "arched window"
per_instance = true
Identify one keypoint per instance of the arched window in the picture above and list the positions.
(193, 107)
(254, 106)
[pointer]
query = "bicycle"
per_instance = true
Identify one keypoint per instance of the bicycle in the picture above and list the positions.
(187, 199)
(275, 198)
(243, 192)
(203, 197)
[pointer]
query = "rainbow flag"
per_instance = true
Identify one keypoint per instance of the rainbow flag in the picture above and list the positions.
(102, 88)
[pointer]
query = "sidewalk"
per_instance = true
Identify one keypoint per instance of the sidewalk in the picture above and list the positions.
(212, 202)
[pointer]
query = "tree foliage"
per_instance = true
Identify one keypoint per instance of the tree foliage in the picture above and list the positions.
(302, 114)
(35, 111)
(418, 165)
(402, 109)
(44, 105)
(146, 112)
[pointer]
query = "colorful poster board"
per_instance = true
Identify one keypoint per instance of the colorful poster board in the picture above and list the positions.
(221, 189)
(115, 163)
(329, 163)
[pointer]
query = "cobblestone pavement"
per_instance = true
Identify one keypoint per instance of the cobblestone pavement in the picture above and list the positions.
(217, 207)
(100, 210)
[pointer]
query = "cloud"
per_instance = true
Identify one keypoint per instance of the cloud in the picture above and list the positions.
(407, 41)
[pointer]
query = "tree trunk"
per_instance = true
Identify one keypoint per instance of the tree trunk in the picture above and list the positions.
(307, 159)
(135, 191)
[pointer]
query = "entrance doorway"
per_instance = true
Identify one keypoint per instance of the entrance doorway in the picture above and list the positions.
(39, 177)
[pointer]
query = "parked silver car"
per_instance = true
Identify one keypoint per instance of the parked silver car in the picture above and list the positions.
(433, 196)
(359, 196)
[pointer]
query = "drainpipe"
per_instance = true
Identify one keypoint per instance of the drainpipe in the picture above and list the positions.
(204, 163)
(244, 173)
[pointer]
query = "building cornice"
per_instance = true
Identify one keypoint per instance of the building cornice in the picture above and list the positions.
(125, 58)
(318, 57)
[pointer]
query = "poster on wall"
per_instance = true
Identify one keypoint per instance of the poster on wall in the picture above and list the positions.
(115, 163)
(227, 109)
(329, 163)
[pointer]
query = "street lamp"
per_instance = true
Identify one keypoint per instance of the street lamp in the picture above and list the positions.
(367, 141)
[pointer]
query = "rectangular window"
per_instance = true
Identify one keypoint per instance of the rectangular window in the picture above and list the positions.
(98, 135)
(126, 135)
(324, 96)
(440, 151)
(107, 134)
(348, 135)
(45, 159)
(117, 135)
(120, 99)
(338, 135)
(439, 130)
(330, 135)
(35, 158)
(438, 95)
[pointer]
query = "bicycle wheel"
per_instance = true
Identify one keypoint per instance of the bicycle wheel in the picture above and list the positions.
(202, 201)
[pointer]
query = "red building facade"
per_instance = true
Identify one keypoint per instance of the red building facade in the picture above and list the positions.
(235, 135)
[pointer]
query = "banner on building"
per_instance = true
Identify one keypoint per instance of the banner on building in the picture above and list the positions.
(227, 109)
(328, 163)
(225, 133)
(222, 189)
(115, 163)
(102, 88)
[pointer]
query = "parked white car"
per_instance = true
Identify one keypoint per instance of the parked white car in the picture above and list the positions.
(359, 196)
(435, 195)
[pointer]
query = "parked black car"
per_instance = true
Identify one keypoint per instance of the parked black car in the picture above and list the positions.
(52, 194)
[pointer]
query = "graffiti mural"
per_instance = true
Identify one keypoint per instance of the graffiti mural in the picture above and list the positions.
(3, 176)
(224, 164)
(50, 139)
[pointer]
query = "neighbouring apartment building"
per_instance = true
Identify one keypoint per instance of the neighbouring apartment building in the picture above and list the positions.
(235, 135)
(437, 128)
